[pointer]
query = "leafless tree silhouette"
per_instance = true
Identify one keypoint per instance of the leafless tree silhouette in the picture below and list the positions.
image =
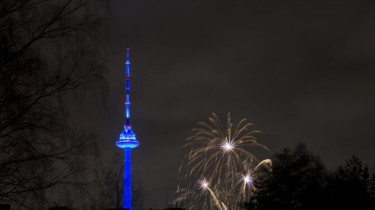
(112, 186)
(44, 54)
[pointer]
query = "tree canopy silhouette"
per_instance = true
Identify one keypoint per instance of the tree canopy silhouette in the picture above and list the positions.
(297, 176)
(299, 180)
(350, 186)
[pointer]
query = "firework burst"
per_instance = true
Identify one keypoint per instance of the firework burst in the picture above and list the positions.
(222, 154)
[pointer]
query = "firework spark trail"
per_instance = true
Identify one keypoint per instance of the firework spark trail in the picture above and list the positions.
(222, 154)
(205, 186)
(218, 203)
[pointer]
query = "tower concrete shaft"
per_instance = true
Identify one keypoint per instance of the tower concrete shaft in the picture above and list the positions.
(127, 140)
(127, 195)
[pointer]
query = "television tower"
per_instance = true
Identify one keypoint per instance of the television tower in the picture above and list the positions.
(127, 141)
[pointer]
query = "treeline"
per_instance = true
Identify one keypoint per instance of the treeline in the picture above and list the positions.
(300, 181)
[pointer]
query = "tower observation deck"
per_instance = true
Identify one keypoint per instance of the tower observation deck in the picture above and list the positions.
(127, 140)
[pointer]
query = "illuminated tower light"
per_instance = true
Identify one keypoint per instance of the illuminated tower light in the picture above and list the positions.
(127, 140)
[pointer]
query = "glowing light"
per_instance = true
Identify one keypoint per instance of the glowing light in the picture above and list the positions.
(247, 179)
(227, 145)
(203, 184)
(127, 113)
(127, 144)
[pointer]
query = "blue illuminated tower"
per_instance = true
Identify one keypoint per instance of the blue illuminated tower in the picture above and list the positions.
(127, 141)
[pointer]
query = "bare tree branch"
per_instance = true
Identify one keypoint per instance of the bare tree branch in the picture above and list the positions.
(40, 61)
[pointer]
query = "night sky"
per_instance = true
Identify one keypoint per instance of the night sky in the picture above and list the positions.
(301, 71)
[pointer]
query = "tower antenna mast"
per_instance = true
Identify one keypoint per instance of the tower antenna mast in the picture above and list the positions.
(127, 140)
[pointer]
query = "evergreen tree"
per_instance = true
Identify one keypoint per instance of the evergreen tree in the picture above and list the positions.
(350, 186)
(297, 182)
